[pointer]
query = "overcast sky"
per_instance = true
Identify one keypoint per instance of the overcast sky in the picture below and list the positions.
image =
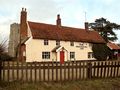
(72, 12)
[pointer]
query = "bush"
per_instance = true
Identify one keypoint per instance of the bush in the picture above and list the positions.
(101, 51)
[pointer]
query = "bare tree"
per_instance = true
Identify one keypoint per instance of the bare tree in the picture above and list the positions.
(3, 48)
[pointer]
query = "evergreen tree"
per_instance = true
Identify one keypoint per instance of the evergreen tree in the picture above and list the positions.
(106, 29)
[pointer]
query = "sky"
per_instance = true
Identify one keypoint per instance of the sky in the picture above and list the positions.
(73, 12)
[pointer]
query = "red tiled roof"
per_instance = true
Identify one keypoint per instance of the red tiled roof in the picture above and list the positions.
(54, 32)
(113, 46)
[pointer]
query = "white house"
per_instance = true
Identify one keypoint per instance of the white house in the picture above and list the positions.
(47, 42)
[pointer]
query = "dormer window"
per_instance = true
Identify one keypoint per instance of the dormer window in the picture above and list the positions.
(57, 43)
(46, 42)
(71, 43)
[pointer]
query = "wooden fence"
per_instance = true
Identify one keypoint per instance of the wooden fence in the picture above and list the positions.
(54, 71)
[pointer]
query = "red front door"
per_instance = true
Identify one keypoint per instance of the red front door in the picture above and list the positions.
(62, 57)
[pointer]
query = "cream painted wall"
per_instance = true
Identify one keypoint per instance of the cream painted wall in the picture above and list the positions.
(35, 47)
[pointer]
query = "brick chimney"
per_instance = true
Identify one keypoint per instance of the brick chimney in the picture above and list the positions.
(86, 25)
(58, 21)
(23, 23)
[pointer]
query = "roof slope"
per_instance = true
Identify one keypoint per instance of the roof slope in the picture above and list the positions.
(54, 32)
(113, 46)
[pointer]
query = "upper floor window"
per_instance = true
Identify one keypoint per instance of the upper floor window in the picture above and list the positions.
(90, 45)
(81, 45)
(45, 55)
(72, 55)
(46, 42)
(71, 43)
(57, 42)
(90, 55)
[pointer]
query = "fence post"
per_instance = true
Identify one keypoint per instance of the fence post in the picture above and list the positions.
(0, 70)
(89, 70)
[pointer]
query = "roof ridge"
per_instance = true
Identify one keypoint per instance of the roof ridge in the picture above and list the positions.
(55, 25)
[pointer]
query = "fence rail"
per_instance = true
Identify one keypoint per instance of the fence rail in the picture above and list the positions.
(54, 71)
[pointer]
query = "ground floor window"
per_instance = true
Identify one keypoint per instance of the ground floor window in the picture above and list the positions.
(72, 55)
(90, 55)
(45, 55)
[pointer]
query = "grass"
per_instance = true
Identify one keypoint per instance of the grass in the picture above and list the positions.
(96, 84)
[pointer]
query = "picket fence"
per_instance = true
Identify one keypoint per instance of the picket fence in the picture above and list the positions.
(54, 71)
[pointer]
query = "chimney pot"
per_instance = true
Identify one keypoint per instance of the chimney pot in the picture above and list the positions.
(58, 16)
(22, 9)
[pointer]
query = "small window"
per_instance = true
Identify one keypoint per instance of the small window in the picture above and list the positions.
(72, 55)
(71, 43)
(57, 42)
(90, 44)
(45, 42)
(85, 46)
(90, 55)
(45, 55)
(81, 45)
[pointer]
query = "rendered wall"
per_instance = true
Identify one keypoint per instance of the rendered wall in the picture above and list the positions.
(35, 47)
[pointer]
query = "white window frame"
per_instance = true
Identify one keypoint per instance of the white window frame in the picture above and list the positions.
(90, 55)
(45, 55)
(46, 42)
(72, 55)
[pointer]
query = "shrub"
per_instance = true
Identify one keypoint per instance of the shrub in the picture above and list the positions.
(101, 51)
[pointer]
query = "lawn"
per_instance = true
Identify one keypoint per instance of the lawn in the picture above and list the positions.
(96, 84)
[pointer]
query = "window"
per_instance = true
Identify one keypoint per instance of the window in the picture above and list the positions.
(71, 43)
(72, 55)
(45, 42)
(81, 45)
(45, 55)
(57, 42)
(90, 45)
(90, 55)
(85, 46)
